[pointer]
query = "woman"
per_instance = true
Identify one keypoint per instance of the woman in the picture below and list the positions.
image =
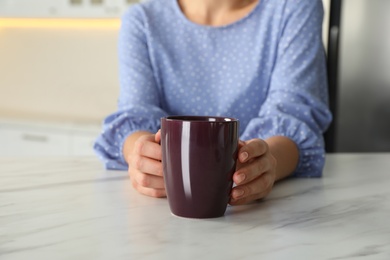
(259, 61)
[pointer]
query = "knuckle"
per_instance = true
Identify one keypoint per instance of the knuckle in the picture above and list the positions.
(143, 180)
(153, 193)
(263, 183)
(128, 158)
(134, 184)
(268, 182)
(139, 146)
(274, 162)
(248, 190)
(259, 167)
(256, 147)
(262, 146)
(137, 162)
(257, 143)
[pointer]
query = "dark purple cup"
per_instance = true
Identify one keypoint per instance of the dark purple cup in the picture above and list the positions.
(199, 155)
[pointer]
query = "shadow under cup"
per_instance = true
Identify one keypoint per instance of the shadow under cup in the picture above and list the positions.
(199, 157)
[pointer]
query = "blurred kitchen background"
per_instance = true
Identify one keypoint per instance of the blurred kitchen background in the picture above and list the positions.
(59, 74)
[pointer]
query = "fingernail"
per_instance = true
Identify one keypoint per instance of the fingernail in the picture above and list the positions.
(237, 193)
(240, 177)
(244, 156)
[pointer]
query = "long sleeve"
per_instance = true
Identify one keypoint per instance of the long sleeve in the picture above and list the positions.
(296, 103)
(139, 104)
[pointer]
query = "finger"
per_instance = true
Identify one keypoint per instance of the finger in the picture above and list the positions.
(240, 145)
(246, 200)
(152, 192)
(149, 181)
(157, 137)
(145, 179)
(252, 149)
(253, 189)
(251, 170)
(251, 198)
(146, 165)
(146, 146)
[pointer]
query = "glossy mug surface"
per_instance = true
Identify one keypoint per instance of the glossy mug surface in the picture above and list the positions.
(199, 157)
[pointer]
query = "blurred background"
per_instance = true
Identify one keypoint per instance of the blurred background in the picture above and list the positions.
(59, 74)
(363, 84)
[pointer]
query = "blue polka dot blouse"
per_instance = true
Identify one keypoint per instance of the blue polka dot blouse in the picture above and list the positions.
(267, 69)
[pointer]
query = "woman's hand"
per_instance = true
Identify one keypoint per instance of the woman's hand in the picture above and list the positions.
(145, 167)
(255, 172)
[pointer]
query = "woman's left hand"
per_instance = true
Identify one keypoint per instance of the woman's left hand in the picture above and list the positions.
(255, 172)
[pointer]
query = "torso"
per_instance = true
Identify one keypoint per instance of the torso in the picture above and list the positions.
(207, 70)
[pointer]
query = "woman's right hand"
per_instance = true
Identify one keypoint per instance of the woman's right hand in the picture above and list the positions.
(145, 167)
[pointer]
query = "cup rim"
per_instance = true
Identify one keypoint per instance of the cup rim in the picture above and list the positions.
(201, 119)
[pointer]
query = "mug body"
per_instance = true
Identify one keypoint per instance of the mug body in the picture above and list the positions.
(199, 157)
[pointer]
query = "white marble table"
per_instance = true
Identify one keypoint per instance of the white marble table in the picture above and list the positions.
(73, 209)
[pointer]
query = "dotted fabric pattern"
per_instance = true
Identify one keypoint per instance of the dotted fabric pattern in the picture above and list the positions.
(267, 69)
